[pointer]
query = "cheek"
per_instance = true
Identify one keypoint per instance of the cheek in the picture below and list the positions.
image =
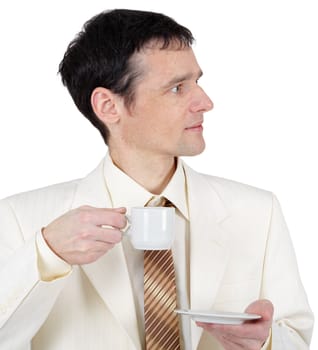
(160, 119)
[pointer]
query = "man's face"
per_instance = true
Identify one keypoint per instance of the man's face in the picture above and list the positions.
(167, 113)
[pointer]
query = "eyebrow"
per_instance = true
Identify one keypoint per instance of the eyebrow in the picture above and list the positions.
(179, 78)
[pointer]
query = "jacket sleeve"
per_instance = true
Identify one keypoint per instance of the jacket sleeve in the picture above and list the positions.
(25, 300)
(293, 319)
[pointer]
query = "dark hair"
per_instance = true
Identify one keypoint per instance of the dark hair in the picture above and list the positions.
(100, 55)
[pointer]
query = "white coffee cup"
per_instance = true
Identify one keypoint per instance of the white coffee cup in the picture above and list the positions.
(151, 228)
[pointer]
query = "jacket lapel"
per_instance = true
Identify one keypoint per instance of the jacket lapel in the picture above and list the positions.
(208, 244)
(109, 274)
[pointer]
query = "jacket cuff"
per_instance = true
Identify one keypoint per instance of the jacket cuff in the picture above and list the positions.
(50, 265)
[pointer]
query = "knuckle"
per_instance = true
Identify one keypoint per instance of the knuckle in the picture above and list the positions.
(84, 215)
(124, 221)
(92, 256)
(83, 208)
(117, 236)
(84, 235)
(112, 236)
(83, 247)
(118, 220)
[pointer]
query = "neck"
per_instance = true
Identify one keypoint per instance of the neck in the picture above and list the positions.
(153, 173)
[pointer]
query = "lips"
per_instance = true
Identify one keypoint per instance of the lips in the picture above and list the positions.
(196, 127)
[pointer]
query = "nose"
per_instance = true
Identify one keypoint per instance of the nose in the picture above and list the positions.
(201, 101)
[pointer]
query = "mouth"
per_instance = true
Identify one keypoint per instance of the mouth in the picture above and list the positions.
(195, 127)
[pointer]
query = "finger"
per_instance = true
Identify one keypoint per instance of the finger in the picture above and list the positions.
(228, 344)
(93, 247)
(121, 210)
(88, 252)
(112, 218)
(263, 308)
(108, 235)
(236, 337)
(97, 240)
(243, 343)
(220, 328)
(247, 330)
(102, 216)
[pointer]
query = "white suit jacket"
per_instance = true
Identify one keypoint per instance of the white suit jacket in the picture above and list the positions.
(240, 252)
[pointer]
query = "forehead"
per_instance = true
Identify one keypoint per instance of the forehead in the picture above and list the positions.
(160, 64)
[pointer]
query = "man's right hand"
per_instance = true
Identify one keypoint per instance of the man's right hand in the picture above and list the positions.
(83, 235)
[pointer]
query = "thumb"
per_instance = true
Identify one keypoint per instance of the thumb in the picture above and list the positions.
(263, 308)
(121, 210)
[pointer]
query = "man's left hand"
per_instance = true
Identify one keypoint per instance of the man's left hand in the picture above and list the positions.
(249, 335)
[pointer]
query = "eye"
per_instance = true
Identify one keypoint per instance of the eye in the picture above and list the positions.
(176, 88)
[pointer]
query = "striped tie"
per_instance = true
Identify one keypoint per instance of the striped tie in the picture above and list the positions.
(161, 322)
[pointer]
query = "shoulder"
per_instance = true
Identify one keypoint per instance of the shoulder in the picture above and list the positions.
(39, 206)
(62, 191)
(234, 188)
(231, 192)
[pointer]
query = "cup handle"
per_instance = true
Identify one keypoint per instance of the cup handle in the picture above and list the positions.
(125, 230)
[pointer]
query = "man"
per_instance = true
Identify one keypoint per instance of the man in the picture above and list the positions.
(69, 279)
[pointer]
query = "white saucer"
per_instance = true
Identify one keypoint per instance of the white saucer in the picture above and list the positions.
(219, 317)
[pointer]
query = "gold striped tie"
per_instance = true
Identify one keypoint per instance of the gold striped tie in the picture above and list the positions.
(160, 297)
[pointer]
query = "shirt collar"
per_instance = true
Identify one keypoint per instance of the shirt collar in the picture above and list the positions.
(125, 192)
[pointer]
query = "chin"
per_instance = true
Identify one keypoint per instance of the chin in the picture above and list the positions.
(194, 150)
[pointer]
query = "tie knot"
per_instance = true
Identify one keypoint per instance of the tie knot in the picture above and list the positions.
(156, 201)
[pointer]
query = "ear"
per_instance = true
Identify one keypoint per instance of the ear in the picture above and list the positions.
(104, 104)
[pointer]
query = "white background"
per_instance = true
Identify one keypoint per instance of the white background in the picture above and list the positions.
(260, 68)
